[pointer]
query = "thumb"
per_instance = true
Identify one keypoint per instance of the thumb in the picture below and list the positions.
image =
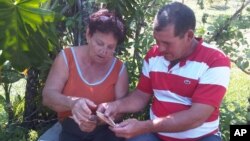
(101, 108)
(92, 106)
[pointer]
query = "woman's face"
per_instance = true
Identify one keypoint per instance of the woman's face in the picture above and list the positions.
(101, 46)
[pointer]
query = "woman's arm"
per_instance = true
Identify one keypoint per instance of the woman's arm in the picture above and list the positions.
(121, 87)
(52, 92)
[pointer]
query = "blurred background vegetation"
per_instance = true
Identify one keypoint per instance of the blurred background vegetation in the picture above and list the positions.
(34, 31)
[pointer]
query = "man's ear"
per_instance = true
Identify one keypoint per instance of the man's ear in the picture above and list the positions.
(190, 35)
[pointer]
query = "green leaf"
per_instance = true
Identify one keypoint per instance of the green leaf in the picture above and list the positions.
(211, 28)
(27, 34)
(8, 74)
(2, 100)
(245, 64)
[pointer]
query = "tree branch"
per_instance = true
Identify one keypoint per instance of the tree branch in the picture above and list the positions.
(228, 22)
(247, 72)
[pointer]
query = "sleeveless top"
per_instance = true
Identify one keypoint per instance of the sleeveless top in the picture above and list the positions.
(77, 86)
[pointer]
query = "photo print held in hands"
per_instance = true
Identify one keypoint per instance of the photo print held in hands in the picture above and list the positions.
(106, 119)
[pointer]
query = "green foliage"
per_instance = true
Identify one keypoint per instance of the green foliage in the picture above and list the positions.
(18, 108)
(231, 113)
(27, 35)
(13, 133)
(72, 28)
(33, 135)
(138, 16)
(227, 33)
(234, 106)
(8, 74)
(17, 133)
(31, 37)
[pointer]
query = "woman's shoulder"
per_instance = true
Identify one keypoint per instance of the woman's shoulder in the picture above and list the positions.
(73, 48)
(118, 61)
(119, 64)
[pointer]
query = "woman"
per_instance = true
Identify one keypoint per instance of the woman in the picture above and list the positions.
(83, 77)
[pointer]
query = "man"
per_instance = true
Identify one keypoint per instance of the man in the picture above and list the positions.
(186, 78)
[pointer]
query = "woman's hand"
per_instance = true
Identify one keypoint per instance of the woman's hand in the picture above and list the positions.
(83, 114)
(89, 125)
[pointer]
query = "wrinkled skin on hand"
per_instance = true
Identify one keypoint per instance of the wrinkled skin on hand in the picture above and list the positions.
(84, 115)
(89, 125)
(128, 128)
(109, 109)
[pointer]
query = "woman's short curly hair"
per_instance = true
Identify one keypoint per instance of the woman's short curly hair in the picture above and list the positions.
(107, 22)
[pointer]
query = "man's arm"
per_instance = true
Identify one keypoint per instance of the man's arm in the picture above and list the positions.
(176, 122)
(134, 102)
(181, 121)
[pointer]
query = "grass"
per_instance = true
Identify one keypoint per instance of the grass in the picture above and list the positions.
(239, 87)
(235, 103)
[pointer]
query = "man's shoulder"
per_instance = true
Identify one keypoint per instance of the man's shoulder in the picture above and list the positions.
(212, 50)
(211, 54)
(153, 51)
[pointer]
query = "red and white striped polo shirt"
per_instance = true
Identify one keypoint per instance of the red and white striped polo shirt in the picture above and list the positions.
(202, 77)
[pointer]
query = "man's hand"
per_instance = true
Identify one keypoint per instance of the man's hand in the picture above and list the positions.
(109, 109)
(129, 128)
(105, 119)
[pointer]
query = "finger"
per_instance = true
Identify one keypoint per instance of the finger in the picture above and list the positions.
(122, 135)
(91, 104)
(111, 110)
(83, 107)
(86, 129)
(81, 116)
(88, 126)
(76, 119)
(101, 107)
(93, 118)
(122, 124)
(119, 132)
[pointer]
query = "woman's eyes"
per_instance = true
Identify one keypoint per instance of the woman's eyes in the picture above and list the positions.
(111, 48)
(102, 44)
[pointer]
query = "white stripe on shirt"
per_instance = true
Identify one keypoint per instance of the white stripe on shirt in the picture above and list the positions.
(168, 96)
(204, 129)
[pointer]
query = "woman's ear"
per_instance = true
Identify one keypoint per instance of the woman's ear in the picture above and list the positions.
(87, 34)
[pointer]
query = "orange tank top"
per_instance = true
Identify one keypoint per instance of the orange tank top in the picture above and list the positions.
(76, 85)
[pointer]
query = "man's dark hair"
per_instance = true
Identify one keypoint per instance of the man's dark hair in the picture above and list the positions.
(178, 14)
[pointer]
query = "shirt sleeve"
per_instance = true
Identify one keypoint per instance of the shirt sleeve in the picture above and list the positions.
(144, 83)
(213, 83)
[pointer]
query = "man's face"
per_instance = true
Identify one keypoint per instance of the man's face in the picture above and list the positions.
(170, 46)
